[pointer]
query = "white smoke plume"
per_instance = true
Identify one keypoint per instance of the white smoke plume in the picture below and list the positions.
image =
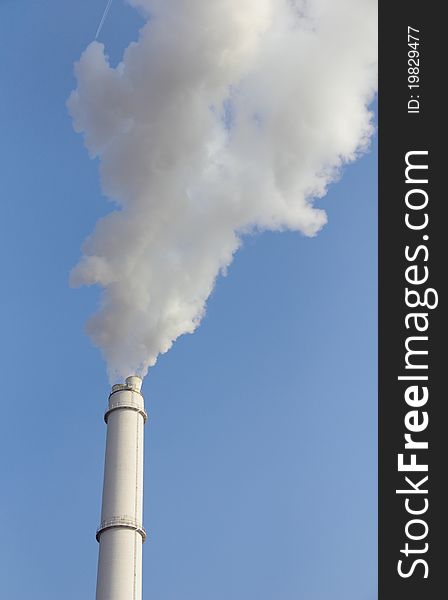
(225, 117)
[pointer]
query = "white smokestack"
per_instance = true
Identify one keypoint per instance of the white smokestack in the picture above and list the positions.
(224, 118)
(121, 532)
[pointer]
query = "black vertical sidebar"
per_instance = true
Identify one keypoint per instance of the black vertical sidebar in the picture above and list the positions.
(413, 253)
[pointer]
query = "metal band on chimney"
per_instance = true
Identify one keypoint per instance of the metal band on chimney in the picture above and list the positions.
(125, 387)
(125, 404)
(121, 522)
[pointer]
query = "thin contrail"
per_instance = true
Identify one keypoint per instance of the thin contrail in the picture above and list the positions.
(103, 18)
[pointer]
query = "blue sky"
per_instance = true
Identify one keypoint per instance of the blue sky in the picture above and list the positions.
(261, 445)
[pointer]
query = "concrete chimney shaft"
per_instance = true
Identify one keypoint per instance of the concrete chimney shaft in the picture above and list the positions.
(121, 533)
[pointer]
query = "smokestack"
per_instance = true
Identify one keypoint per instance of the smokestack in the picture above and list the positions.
(121, 533)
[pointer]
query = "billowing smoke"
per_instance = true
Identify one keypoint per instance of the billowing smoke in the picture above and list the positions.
(225, 117)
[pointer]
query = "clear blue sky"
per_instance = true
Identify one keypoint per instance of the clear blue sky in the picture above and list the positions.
(261, 446)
